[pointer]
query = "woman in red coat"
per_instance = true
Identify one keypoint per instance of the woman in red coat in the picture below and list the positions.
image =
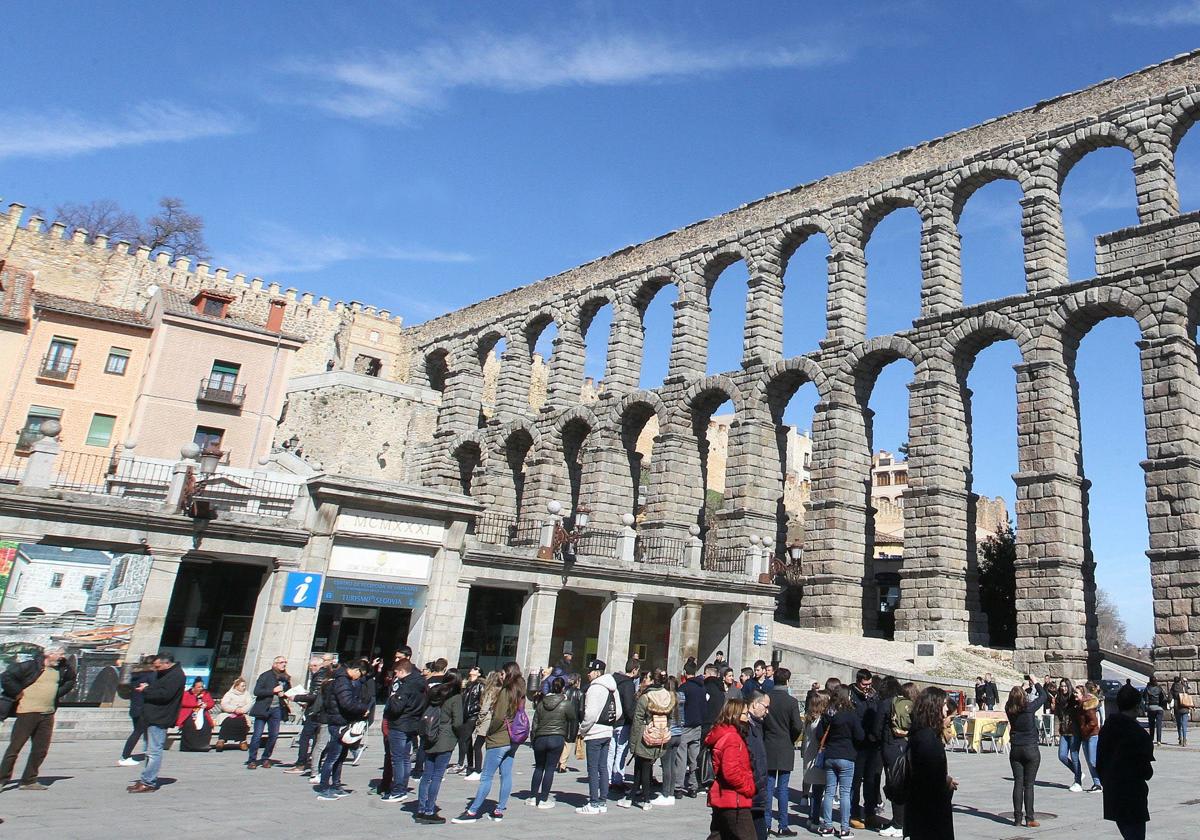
(732, 790)
(194, 722)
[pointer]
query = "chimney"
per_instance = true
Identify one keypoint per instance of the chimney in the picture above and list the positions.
(275, 316)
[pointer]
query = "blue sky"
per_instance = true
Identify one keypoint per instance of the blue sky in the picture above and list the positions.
(423, 156)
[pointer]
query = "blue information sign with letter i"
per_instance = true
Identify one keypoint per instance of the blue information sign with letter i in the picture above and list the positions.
(303, 589)
(760, 634)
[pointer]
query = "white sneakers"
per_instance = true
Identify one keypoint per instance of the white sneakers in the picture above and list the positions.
(891, 831)
(128, 762)
(590, 809)
(471, 777)
(659, 799)
(1076, 788)
(546, 805)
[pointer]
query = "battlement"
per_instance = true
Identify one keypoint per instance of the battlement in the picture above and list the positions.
(182, 275)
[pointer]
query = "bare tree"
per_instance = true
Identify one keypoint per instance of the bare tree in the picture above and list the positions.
(172, 228)
(1110, 627)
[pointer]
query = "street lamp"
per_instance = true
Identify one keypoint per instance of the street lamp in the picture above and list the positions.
(210, 458)
(563, 543)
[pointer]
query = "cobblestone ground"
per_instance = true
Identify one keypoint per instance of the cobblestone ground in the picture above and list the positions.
(213, 795)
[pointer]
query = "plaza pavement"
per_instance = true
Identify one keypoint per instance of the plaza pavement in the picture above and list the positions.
(212, 795)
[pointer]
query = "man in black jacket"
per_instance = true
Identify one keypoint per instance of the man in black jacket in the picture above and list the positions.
(320, 668)
(160, 708)
(760, 707)
(687, 754)
(143, 673)
(36, 687)
(343, 704)
(269, 710)
(405, 704)
(868, 764)
(1123, 760)
(627, 685)
(782, 727)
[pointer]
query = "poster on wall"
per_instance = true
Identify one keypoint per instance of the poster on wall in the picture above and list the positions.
(84, 600)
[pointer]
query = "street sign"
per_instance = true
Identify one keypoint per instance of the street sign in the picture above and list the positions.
(760, 634)
(303, 589)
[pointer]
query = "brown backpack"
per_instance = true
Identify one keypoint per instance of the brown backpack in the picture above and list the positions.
(658, 731)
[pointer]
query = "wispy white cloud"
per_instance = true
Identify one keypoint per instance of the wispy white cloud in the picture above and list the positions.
(63, 133)
(1150, 14)
(278, 249)
(396, 85)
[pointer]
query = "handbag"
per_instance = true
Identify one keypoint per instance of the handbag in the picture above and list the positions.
(1185, 700)
(819, 760)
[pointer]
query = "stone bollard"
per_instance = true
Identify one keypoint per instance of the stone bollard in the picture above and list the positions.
(695, 548)
(179, 473)
(39, 466)
(626, 546)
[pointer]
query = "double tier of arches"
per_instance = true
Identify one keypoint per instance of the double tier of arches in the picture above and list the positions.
(520, 455)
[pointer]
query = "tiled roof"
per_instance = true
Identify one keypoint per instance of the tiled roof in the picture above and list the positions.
(16, 291)
(93, 311)
(180, 305)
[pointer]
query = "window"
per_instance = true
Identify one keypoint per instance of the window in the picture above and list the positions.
(368, 365)
(118, 360)
(89, 583)
(58, 357)
(56, 580)
(224, 376)
(100, 432)
(206, 435)
(118, 576)
(213, 308)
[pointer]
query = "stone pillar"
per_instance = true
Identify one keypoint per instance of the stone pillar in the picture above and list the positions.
(445, 601)
(156, 599)
(846, 301)
(1052, 631)
(39, 466)
(606, 485)
(461, 401)
(565, 381)
(276, 631)
(1045, 241)
(685, 634)
(616, 621)
(546, 480)
(1154, 180)
(689, 337)
(623, 369)
(941, 265)
(512, 389)
(743, 632)
(764, 320)
(836, 525)
(675, 494)
(537, 627)
(750, 503)
(933, 573)
(1171, 400)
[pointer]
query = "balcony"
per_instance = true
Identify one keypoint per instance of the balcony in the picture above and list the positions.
(59, 370)
(220, 392)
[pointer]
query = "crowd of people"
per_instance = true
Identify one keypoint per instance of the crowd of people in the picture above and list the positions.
(649, 738)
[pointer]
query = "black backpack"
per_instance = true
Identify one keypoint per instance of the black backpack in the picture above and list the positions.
(431, 726)
(899, 779)
(608, 715)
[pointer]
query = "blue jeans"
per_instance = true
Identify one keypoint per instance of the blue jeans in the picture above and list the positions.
(495, 758)
(778, 782)
(598, 770)
(156, 738)
(1068, 754)
(431, 781)
(400, 749)
(271, 722)
(1181, 722)
(335, 754)
(619, 753)
(1088, 746)
(839, 773)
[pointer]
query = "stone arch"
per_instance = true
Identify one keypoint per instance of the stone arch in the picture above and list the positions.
(467, 454)
(589, 306)
(714, 263)
(972, 336)
(864, 363)
(1181, 310)
(786, 375)
(487, 342)
(794, 233)
(437, 366)
(1064, 328)
(1074, 147)
(1179, 120)
(536, 324)
(577, 414)
(709, 387)
(862, 223)
(971, 178)
(650, 399)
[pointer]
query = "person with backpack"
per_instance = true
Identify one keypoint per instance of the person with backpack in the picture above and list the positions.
(1024, 755)
(553, 714)
(896, 712)
(345, 713)
(439, 724)
(1154, 698)
(648, 735)
(782, 728)
(574, 695)
(601, 713)
(627, 687)
(405, 705)
(507, 730)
